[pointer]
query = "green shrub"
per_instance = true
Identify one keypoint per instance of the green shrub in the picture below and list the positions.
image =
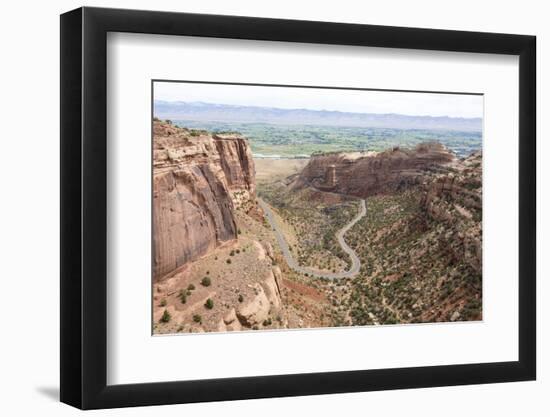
(190, 287)
(183, 297)
(163, 302)
(209, 304)
(206, 282)
(165, 317)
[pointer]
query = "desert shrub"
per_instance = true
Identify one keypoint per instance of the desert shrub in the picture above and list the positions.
(191, 287)
(232, 253)
(206, 282)
(163, 302)
(228, 261)
(165, 317)
(183, 297)
(267, 322)
(240, 298)
(197, 318)
(209, 304)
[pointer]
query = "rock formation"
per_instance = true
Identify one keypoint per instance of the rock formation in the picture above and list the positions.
(198, 179)
(454, 197)
(365, 174)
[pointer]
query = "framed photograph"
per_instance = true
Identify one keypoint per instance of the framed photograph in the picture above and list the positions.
(257, 208)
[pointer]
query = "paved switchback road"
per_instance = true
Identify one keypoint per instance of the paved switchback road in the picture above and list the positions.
(292, 263)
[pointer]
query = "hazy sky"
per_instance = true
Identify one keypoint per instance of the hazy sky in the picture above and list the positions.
(416, 104)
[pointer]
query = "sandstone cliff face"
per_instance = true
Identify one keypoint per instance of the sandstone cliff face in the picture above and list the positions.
(366, 174)
(237, 162)
(197, 180)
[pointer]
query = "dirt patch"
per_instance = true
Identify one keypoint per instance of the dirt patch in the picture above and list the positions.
(271, 169)
(304, 290)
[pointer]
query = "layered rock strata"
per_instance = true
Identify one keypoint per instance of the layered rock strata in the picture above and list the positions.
(198, 180)
(363, 174)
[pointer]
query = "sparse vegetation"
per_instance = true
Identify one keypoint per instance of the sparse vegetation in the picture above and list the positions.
(419, 258)
(165, 317)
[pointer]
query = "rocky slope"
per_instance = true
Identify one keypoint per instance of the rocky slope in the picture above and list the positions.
(198, 181)
(422, 250)
(454, 198)
(365, 174)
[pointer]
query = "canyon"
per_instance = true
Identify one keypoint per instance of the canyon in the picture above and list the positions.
(219, 265)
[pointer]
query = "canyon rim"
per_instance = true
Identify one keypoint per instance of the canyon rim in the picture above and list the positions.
(287, 208)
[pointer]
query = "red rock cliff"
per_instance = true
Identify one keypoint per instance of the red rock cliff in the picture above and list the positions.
(197, 181)
(365, 174)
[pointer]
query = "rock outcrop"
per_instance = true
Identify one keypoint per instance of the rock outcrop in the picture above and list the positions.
(365, 174)
(237, 164)
(198, 180)
(455, 197)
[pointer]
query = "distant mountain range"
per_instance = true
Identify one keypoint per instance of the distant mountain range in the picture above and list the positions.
(199, 111)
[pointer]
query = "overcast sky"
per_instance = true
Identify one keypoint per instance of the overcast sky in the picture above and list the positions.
(415, 104)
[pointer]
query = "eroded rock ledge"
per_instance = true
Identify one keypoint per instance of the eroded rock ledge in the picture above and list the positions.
(363, 174)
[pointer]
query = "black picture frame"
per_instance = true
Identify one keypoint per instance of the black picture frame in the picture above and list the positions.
(84, 207)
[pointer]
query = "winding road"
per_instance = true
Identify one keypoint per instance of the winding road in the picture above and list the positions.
(292, 263)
